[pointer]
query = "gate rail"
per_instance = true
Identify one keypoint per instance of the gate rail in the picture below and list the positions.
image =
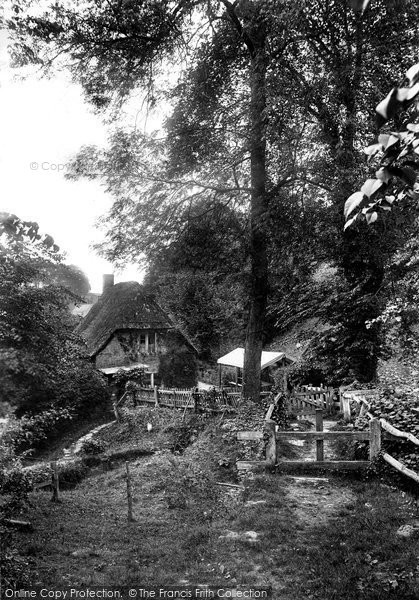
(373, 436)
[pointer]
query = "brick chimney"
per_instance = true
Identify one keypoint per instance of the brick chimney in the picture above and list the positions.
(108, 281)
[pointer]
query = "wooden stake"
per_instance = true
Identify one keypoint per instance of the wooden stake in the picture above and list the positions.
(271, 446)
(156, 396)
(319, 443)
(55, 482)
(129, 493)
(346, 407)
(375, 438)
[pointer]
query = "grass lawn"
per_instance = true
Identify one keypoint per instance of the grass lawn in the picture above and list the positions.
(326, 538)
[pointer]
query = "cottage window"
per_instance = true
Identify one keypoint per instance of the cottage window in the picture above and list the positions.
(143, 342)
(152, 343)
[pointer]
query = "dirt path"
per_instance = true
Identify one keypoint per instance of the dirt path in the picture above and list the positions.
(315, 499)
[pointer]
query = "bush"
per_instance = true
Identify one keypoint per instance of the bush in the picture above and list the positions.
(178, 367)
(93, 447)
(190, 487)
(70, 474)
(186, 432)
(15, 485)
(30, 431)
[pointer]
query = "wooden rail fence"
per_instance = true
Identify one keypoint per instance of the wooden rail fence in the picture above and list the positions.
(361, 397)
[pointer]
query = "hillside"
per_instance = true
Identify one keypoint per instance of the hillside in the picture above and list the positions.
(306, 537)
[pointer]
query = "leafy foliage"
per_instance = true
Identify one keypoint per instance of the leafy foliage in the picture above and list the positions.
(30, 432)
(278, 147)
(15, 485)
(43, 363)
(395, 156)
(178, 367)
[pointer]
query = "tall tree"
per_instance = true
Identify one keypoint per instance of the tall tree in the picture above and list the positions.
(113, 47)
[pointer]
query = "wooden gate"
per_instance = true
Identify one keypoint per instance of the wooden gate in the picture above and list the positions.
(319, 436)
(307, 399)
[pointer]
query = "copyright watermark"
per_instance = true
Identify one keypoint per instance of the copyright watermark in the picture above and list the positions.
(139, 593)
(48, 166)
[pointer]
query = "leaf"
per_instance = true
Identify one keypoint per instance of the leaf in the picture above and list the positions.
(359, 4)
(407, 94)
(412, 74)
(383, 175)
(373, 149)
(387, 107)
(371, 186)
(387, 140)
(413, 127)
(349, 222)
(352, 202)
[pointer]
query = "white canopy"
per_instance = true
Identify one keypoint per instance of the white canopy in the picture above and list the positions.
(113, 370)
(235, 358)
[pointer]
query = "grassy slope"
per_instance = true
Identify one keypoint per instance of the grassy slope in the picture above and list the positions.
(324, 540)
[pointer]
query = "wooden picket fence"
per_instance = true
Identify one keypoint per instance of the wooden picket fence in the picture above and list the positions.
(188, 399)
(175, 398)
(307, 399)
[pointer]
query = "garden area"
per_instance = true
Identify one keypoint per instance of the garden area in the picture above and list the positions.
(197, 522)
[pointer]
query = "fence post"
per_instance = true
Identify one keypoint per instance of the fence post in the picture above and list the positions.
(346, 407)
(55, 482)
(129, 493)
(329, 401)
(319, 443)
(375, 438)
(271, 445)
(156, 395)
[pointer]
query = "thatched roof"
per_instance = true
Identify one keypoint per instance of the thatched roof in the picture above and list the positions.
(122, 306)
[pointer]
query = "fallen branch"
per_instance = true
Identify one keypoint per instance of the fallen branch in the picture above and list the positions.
(22, 525)
(233, 485)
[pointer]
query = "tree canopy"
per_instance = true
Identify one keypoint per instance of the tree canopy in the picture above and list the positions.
(269, 105)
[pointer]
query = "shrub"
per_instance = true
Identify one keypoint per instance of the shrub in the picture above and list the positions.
(70, 474)
(15, 485)
(93, 447)
(30, 431)
(178, 367)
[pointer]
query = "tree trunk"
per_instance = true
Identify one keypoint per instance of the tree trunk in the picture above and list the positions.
(254, 38)
(258, 284)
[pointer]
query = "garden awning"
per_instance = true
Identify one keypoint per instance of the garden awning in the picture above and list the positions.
(235, 358)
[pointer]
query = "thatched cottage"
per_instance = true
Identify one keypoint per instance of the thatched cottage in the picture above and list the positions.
(126, 328)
